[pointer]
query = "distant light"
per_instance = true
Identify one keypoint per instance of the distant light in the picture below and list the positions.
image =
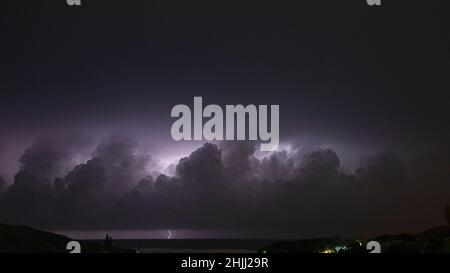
(339, 248)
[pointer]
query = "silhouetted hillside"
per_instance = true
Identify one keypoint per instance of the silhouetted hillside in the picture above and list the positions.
(434, 240)
(15, 239)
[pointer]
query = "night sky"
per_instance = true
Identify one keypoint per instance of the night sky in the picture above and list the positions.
(86, 94)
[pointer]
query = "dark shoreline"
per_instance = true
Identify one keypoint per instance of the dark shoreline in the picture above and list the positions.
(23, 239)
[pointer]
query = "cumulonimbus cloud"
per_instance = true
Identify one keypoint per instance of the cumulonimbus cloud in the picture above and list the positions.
(225, 186)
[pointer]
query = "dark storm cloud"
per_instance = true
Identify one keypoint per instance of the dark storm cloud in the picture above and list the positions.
(203, 170)
(53, 156)
(230, 186)
(123, 164)
(238, 157)
(95, 186)
(279, 165)
(2, 184)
